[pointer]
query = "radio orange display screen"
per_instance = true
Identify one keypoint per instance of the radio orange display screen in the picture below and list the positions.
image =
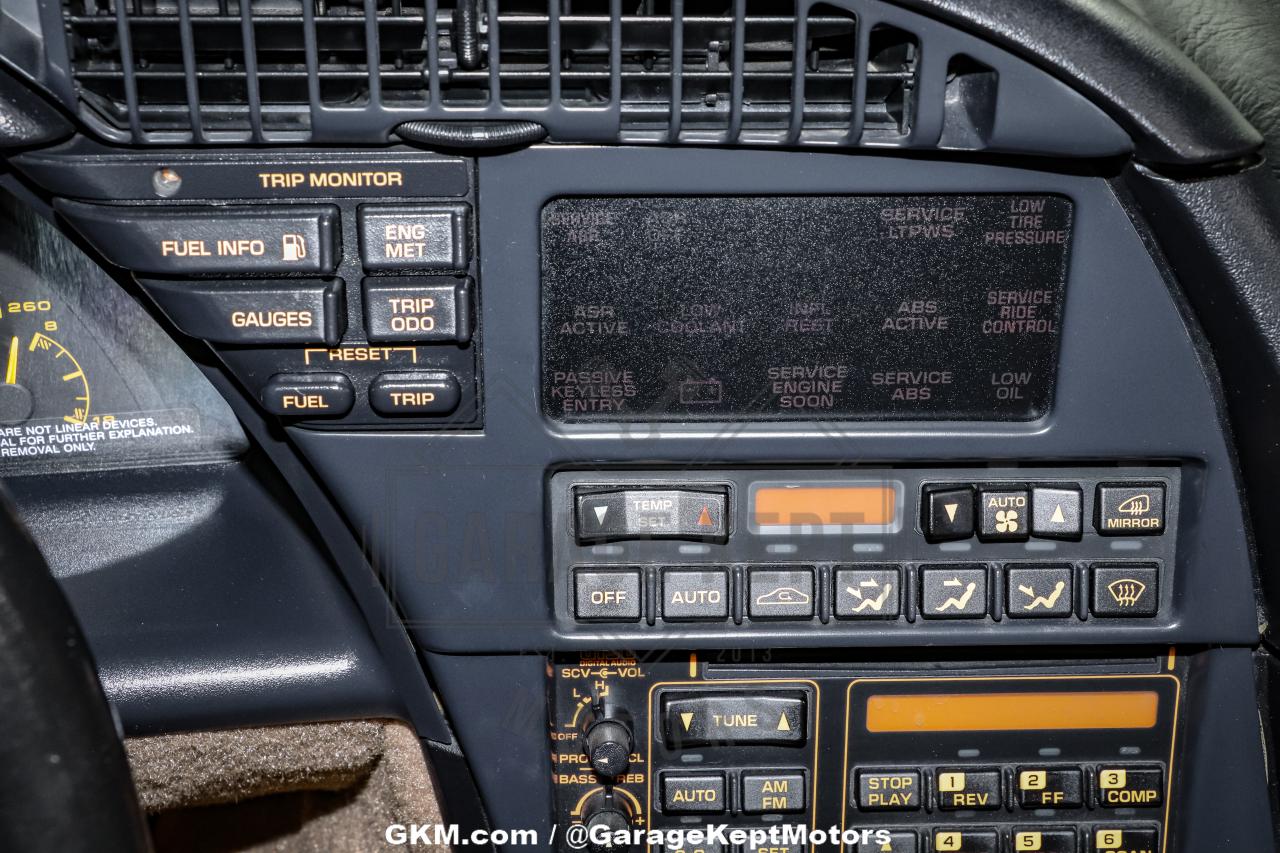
(824, 505)
(1011, 712)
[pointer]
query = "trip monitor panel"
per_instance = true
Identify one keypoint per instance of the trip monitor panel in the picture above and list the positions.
(815, 308)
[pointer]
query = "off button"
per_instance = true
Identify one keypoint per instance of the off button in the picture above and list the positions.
(427, 392)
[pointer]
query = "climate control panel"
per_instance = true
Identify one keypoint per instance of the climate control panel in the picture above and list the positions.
(889, 551)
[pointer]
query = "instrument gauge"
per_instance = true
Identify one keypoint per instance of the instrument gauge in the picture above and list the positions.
(43, 379)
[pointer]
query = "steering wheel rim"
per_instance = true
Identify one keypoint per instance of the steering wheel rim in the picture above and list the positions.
(64, 779)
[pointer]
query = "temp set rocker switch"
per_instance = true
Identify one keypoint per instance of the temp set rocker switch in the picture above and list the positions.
(699, 515)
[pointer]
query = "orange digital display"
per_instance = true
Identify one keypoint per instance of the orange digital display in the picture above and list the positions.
(798, 506)
(1011, 712)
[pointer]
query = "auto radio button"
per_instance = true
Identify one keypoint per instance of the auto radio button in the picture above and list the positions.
(685, 793)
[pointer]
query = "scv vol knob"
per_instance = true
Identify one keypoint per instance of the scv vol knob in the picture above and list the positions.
(608, 747)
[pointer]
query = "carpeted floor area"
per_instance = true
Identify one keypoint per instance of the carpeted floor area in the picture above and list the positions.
(315, 788)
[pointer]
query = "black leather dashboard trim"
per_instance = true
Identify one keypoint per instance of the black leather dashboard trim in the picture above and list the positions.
(1176, 114)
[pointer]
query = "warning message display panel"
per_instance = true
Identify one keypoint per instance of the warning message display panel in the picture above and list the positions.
(817, 308)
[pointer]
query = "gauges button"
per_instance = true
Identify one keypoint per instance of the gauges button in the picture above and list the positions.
(414, 237)
(1127, 510)
(766, 717)
(888, 790)
(417, 309)
(311, 395)
(424, 392)
(163, 240)
(254, 313)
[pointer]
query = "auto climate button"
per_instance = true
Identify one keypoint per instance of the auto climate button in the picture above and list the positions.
(210, 240)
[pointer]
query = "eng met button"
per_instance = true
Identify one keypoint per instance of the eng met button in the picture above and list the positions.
(413, 237)
(254, 313)
(270, 239)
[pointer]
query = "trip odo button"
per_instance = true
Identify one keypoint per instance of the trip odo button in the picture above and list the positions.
(424, 392)
(417, 309)
(270, 239)
(254, 313)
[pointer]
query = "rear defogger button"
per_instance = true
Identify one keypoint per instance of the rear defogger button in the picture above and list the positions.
(764, 717)
(268, 239)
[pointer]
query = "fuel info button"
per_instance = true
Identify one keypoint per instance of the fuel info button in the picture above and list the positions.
(270, 239)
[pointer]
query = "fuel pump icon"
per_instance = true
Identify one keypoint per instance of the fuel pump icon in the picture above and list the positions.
(293, 248)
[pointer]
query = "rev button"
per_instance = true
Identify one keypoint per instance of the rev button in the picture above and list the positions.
(767, 717)
(963, 790)
(253, 313)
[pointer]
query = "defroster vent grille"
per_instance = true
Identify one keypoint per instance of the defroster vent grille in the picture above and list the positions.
(759, 72)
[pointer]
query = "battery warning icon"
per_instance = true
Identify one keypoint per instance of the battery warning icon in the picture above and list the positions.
(701, 392)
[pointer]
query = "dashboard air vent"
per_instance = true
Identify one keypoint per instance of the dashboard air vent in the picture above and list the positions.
(760, 72)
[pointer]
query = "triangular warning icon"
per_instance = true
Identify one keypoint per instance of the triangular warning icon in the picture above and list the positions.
(951, 511)
(687, 719)
(704, 518)
(1058, 517)
(783, 725)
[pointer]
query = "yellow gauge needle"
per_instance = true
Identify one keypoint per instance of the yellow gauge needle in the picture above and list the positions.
(11, 371)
